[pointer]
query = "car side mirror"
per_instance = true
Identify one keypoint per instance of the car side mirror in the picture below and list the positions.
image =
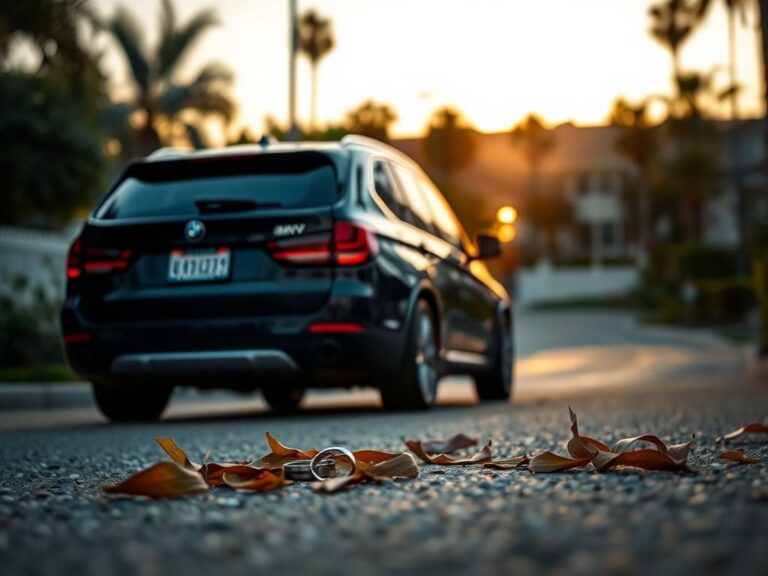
(488, 246)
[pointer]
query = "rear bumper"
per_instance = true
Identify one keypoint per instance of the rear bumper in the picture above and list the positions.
(233, 353)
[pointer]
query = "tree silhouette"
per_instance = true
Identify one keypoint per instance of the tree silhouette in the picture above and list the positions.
(160, 99)
(638, 142)
(734, 8)
(371, 119)
(672, 22)
(315, 42)
(450, 144)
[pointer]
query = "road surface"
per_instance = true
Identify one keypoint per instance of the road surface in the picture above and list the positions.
(621, 378)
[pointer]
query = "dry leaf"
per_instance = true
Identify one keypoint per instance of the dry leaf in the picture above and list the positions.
(214, 472)
(510, 463)
(161, 480)
(371, 456)
(603, 458)
(754, 428)
(261, 481)
(737, 456)
(551, 462)
(401, 466)
(282, 454)
(332, 485)
(449, 446)
(646, 459)
(484, 455)
(176, 453)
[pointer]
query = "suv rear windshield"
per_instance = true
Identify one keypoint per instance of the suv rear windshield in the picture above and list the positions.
(187, 187)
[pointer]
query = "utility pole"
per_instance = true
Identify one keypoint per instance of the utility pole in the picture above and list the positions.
(293, 130)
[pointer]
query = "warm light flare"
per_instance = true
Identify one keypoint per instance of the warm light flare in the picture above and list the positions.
(506, 233)
(507, 215)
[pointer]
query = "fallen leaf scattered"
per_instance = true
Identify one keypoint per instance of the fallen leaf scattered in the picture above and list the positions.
(161, 480)
(754, 428)
(737, 456)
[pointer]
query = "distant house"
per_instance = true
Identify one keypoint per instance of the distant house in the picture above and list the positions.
(600, 184)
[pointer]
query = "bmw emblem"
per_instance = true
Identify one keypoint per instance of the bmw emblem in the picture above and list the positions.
(194, 230)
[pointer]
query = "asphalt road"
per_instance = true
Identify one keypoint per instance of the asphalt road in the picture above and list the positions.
(622, 380)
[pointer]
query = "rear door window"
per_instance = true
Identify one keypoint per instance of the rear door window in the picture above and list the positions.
(445, 222)
(190, 187)
(412, 192)
(388, 191)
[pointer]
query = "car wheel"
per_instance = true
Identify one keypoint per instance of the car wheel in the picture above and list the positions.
(414, 387)
(282, 399)
(137, 403)
(496, 384)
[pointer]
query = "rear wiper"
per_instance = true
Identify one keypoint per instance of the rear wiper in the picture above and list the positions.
(219, 205)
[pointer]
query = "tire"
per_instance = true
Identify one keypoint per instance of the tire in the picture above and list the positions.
(138, 403)
(497, 383)
(414, 386)
(282, 399)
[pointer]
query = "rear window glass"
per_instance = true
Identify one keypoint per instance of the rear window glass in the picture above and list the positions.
(184, 187)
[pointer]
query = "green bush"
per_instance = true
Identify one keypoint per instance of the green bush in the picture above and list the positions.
(724, 301)
(29, 326)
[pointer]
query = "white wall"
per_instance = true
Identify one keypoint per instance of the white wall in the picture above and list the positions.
(38, 256)
(544, 283)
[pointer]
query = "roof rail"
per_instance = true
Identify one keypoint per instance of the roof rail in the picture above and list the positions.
(357, 139)
(167, 151)
(364, 141)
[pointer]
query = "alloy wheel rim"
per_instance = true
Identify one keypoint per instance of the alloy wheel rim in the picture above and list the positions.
(426, 358)
(506, 358)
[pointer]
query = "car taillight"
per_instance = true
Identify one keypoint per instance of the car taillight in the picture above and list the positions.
(73, 259)
(353, 244)
(314, 249)
(350, 244)
(95, 260)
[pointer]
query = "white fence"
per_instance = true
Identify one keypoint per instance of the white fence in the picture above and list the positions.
(545, 283)
(39, 257)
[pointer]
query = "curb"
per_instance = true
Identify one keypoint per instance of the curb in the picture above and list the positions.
(45, 396)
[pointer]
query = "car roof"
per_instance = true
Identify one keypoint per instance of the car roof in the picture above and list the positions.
(347, 143)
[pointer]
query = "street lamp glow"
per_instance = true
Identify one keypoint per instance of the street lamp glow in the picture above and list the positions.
(506, 215)
(506, 233)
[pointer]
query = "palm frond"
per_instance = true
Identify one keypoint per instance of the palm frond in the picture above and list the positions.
(204, 100)
(212, 73)
(181, 40)
(212, 102)
(127, 32)
(167, 32)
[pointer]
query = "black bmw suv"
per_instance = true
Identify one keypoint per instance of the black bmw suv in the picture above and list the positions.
(281, 267)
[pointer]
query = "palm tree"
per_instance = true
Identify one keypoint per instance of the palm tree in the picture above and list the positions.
(672, 22)
(733, 8)
(639, 144)
(315, 42)
(161, 100)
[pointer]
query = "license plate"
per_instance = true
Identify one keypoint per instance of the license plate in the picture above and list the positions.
(198, 266)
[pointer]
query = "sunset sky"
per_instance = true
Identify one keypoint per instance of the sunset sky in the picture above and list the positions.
(496, 60)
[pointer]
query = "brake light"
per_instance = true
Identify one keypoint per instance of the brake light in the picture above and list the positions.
(77, 337)
(337, 327)
(314, 249)
(73, 259)
(95, 260)
(349, 245)
(353, 244)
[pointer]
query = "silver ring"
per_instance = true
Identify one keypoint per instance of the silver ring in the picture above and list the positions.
(299, 471)
(330, 452)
